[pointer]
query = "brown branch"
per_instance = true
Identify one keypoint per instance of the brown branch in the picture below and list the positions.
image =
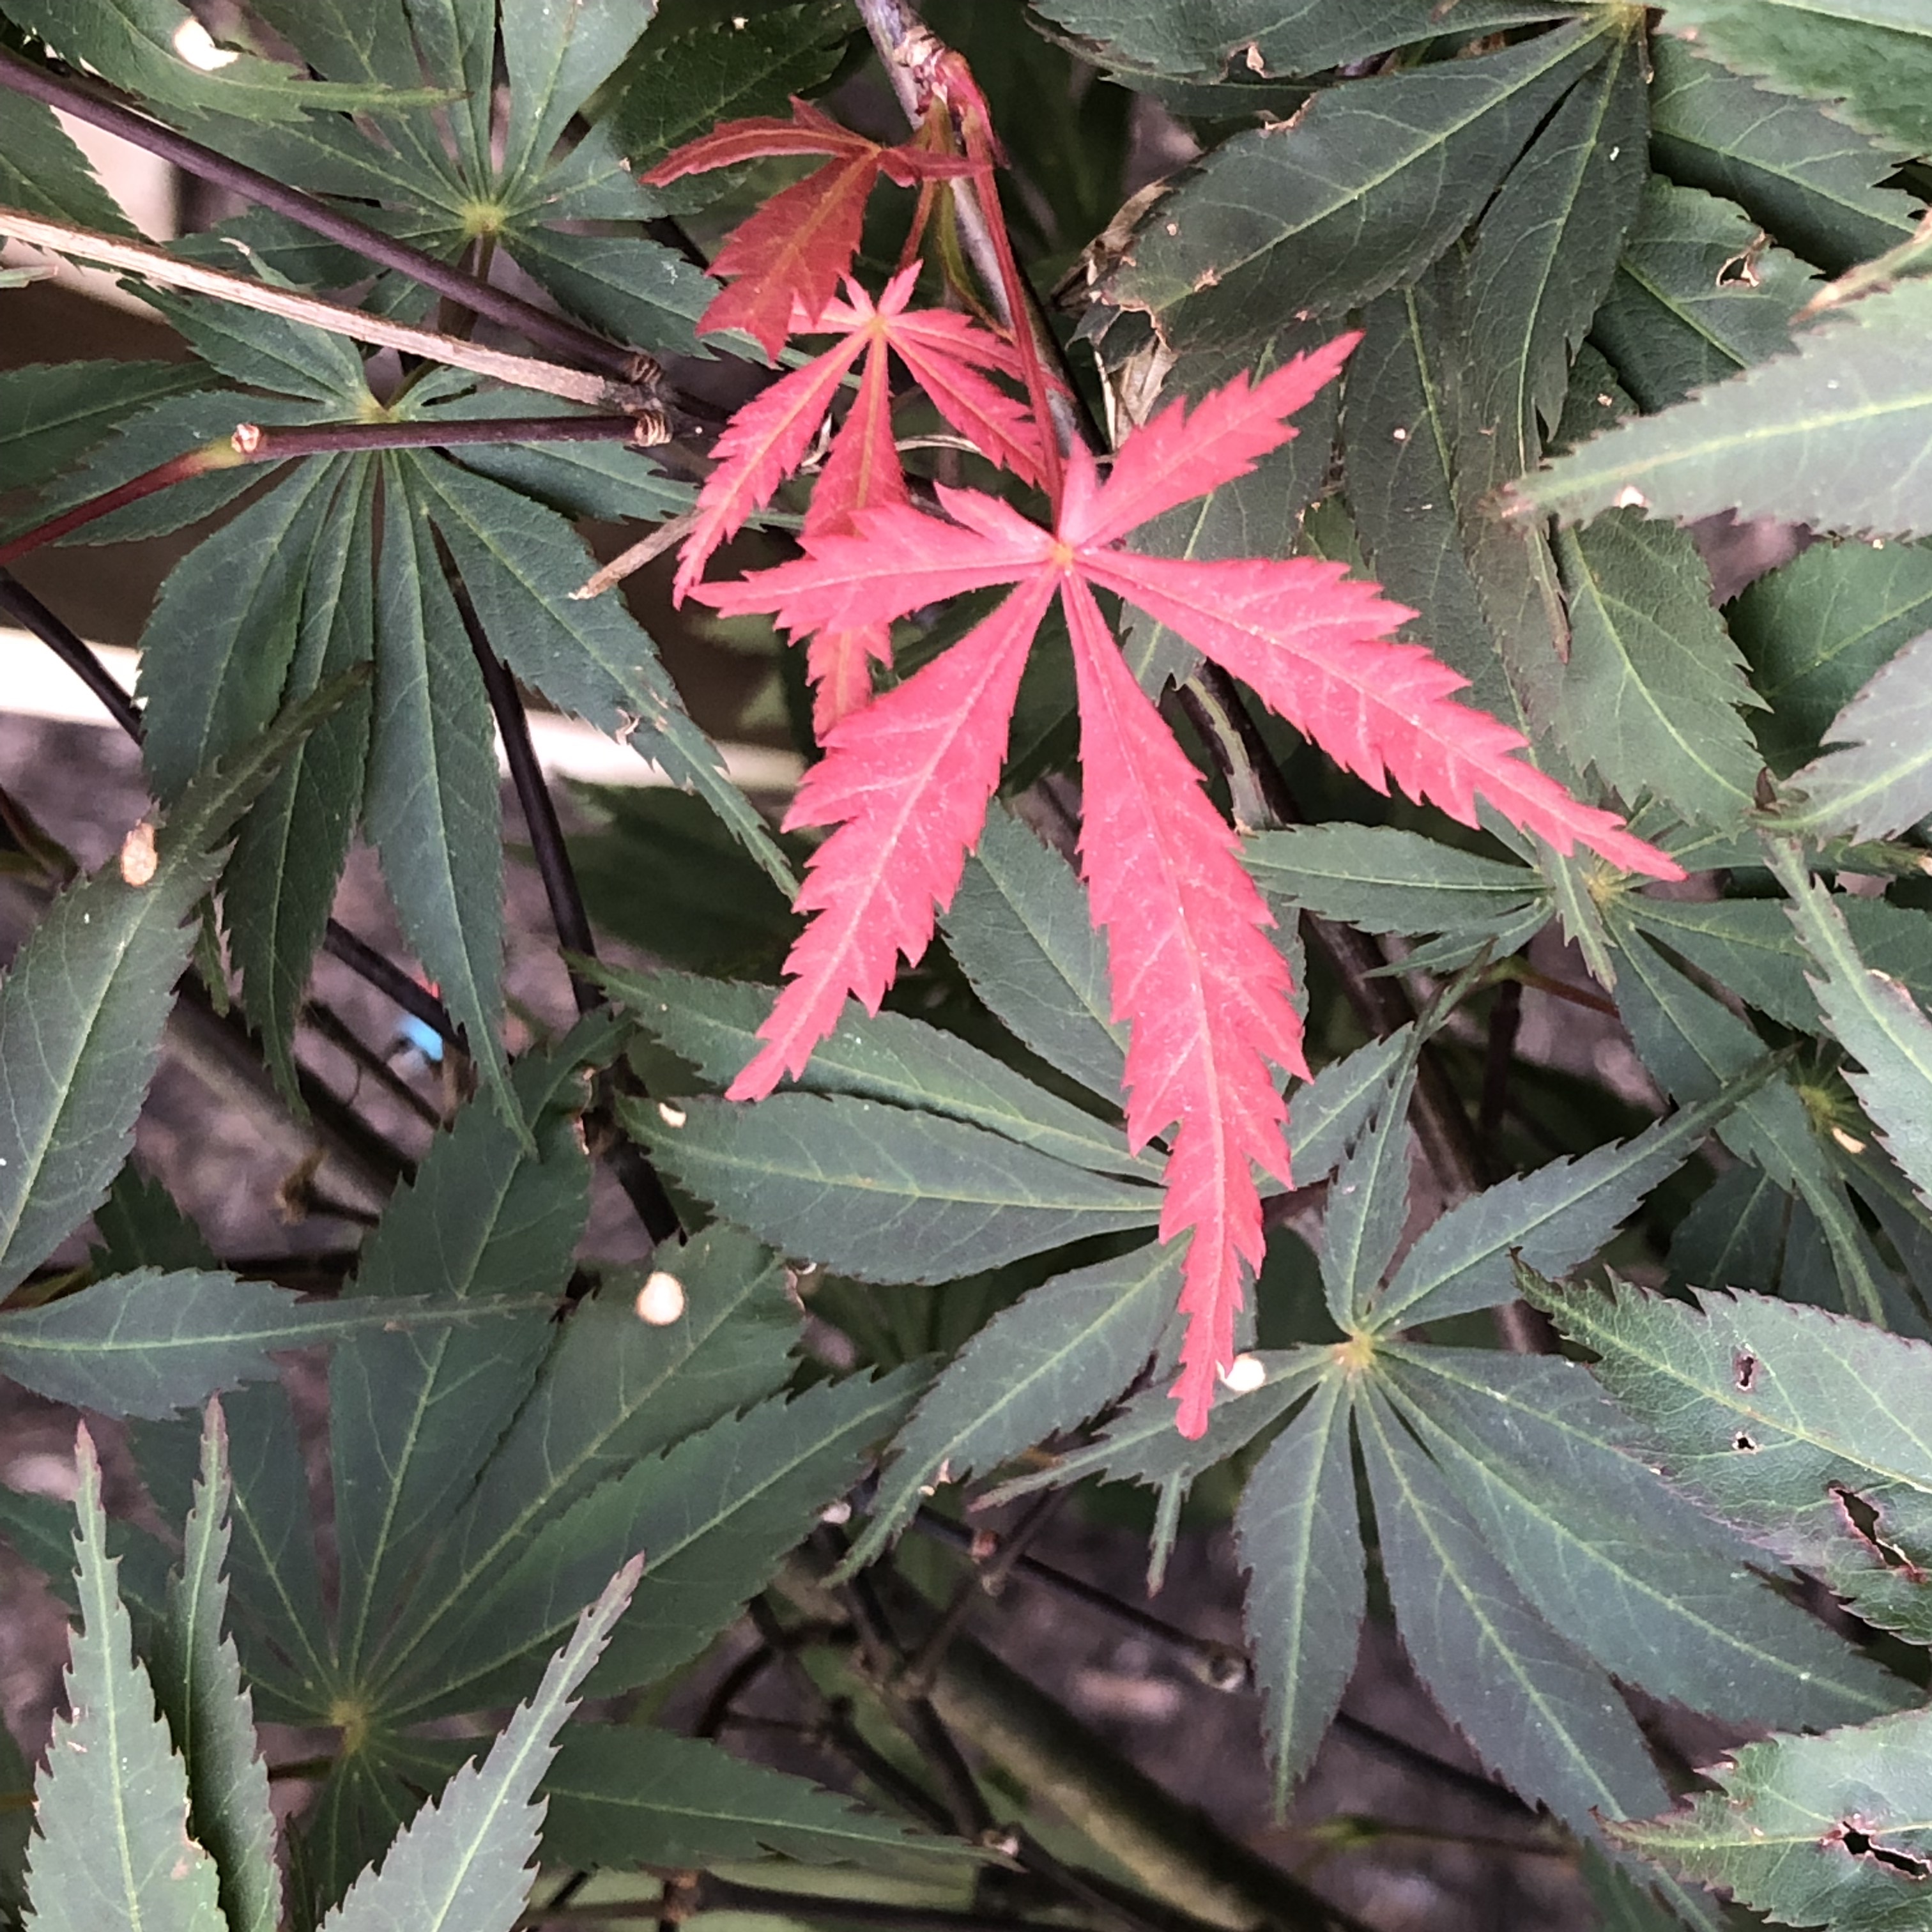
(201, 462)
(522, 372)
(251, 443)
(86, 101)
(258, 442)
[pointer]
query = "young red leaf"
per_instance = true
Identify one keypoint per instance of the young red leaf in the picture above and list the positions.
(792, 254)
(1206, 993)
(1182, 454)
(946, 353)
(1206, 1013)
(768, 437)
(761, 446)
(862, 473)
(1294, 632)
(809, 131)
(907, 780)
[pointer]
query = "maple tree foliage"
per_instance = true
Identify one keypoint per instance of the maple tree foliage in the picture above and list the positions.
(791, 253)
(768, 438)
(907, 775)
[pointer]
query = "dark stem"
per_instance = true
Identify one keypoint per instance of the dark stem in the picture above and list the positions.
(635, 1174)
(389, 980)
(340, 1034)
(1221, 1666)
(253, 444)
(987, 1578)
(20, 604)
(150, 482)
(739, 1678)
(838, 1730)
(886, 1657)
(1505, 1023)
(341, 1129)
(361, 957)
(86, 102)
(1519, 969)
(561, 891)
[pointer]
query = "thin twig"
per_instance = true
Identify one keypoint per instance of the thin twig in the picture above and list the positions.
(972, 1818)
(635, 1174)
(1223, 1667)
(739, 1678)
(1499, 1056)
(226, 1060)
(389, 980)
(201, 462)
(250, 443)
(522, 372)
(84, 102)
(561, 891)
(258, 442)
(905, 45)
(340, 1035)
(1524, 974)
(985, 1579)
(1220, 1666)
(837, 1731)
(647, 549)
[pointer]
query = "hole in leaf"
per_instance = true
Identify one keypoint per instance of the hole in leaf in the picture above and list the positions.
(1857, 1840)
(1742, 1441)
(1744, 1367)
(1863, 1519)
(1740, 271)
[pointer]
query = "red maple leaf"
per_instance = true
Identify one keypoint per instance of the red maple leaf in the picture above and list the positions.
(792, 253)
(767, 439)
(906, 781)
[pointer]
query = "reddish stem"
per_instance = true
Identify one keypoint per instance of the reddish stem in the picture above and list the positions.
(177, 469)
(253, 444)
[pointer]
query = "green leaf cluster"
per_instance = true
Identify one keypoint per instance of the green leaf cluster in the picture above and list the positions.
(411, 563)
(485, 1457)
(1587, 249)
(154, 1809)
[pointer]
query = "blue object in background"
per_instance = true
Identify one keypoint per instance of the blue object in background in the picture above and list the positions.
(422, 1037)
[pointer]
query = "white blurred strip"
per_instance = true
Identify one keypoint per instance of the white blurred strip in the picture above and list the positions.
(34, 683)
